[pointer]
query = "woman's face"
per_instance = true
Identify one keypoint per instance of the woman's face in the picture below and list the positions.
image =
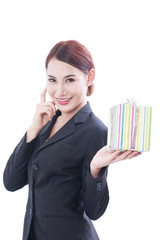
(67, 86)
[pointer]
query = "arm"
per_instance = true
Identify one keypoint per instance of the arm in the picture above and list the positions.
(95, 190)
(15, 173)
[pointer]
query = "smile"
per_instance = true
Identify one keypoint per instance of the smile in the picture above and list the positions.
(63, 101)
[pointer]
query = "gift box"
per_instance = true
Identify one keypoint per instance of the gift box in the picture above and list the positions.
(129, 127)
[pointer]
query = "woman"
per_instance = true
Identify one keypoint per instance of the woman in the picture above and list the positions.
(63, 155)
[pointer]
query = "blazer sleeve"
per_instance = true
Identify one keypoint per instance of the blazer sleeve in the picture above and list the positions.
(15, 172)
(95, 192)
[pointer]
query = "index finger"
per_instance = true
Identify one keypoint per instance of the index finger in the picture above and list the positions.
(43, 95)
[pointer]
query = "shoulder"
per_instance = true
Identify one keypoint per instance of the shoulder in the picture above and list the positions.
(95, 135)
(96, 124)
(95, 130)
(88, 121)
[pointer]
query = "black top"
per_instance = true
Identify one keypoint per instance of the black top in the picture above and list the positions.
(63, 196)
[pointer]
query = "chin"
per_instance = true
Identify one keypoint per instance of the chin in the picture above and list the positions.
(64, 108)
(67, 109)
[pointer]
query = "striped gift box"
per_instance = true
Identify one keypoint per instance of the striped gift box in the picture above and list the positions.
(129, 127)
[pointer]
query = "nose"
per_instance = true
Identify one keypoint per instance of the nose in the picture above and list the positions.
(61, 90)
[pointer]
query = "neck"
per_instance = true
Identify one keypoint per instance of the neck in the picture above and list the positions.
(66, 116)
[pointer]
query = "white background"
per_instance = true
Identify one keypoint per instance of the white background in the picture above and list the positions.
(124, 40)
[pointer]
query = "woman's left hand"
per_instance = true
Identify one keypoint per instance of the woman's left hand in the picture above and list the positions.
(104, 158)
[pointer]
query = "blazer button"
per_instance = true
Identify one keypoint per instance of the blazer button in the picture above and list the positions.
(30, 211)
(98, 186)
(35, 167)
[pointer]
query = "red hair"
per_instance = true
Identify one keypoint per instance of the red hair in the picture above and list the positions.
(75, 54)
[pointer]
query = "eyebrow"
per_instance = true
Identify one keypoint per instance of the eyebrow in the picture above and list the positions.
(71, 75)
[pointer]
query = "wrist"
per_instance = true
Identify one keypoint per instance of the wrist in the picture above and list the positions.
(33, 129)
(31, 134)
(95, 172)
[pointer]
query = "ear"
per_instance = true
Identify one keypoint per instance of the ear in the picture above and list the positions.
(91, 77)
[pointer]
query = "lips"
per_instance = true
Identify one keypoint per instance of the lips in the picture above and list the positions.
(63, 101)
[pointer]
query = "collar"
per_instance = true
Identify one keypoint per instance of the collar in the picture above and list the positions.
(82, 114)
(68, 129)
(79, 117)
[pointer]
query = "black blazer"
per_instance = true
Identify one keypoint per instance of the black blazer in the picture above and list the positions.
(63, 196)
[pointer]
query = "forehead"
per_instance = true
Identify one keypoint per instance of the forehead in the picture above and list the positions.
(58, 68)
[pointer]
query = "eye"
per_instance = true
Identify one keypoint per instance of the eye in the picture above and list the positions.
(70, 80)
(51, 80)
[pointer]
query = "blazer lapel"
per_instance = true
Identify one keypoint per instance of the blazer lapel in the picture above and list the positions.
(68, 129)
(45, 132)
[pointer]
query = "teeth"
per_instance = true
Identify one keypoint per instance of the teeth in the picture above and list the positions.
(64, 100)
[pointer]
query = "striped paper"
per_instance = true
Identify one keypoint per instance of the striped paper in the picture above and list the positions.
(130, 127)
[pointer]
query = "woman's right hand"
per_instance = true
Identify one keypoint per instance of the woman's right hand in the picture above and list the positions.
(43, 114)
